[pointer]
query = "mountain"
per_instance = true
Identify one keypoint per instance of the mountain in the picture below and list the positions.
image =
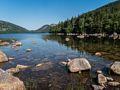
(7, 27)
(105, 19)
(45, 28)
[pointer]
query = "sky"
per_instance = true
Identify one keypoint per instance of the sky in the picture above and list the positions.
(32, 14)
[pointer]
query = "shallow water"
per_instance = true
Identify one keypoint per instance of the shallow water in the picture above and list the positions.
(53, 49)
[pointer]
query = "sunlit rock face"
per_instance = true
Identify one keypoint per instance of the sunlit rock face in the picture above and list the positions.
(115, 67)
(9, 82)
(3, 57)
(78, 64)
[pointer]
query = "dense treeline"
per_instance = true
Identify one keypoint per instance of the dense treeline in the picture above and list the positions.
(102, 20)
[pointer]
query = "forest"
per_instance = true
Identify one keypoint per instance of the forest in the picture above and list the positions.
(102, 20)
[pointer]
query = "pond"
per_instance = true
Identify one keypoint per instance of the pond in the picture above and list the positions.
(54, 49)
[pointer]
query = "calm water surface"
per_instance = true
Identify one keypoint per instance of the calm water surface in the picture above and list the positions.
(53, 49)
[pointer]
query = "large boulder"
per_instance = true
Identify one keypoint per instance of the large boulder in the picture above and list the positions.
(9, 82)
(78, 64)
(3, 57)
(115, 67)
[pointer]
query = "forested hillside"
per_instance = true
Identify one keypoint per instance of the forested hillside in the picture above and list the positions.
(45, 28)
(102, 20)
(6, 27)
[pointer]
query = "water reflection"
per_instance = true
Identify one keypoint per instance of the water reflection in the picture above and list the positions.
(54, 49)
(109, 48)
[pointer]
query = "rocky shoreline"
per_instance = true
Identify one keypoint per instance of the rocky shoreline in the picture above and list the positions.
(76, 65)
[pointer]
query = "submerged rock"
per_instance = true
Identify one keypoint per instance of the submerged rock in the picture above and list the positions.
(9, 82)
(39, 65)
(22, 66)
(3, 57)
(43, 66)
(17, 69)
(63, 63)
(10, 58)
(78, 64)
(28, 50)
(115, 67)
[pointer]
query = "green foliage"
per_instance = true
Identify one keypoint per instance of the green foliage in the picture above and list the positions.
(102, 20)
(6, 27)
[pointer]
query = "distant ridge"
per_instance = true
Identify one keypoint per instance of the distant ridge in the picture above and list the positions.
(45, 28)
(7, 27)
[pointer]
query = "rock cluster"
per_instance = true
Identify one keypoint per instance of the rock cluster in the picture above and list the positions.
(17, 69)
(103, 81)
(4, 43)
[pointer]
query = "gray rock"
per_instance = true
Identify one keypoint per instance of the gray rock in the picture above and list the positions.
(3, 57)
(102, 80)
(98, 87)
(113, 83)
(78, 64)
(67, 39)
(99, 72)
(109, 78)
(9, 82)
(115, 67)
(98, 54)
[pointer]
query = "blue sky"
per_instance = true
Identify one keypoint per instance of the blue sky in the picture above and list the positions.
(32, 14)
